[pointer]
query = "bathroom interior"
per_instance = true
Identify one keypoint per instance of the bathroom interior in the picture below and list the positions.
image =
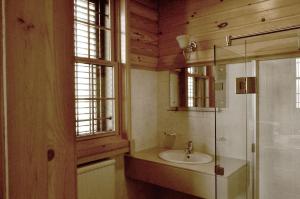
(150, 99)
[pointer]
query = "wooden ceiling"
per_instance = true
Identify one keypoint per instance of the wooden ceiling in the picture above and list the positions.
(155, 25)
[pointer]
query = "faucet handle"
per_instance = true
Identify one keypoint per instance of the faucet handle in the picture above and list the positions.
(190, 145)
(189, 149)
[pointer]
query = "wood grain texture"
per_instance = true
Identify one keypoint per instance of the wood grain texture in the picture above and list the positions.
(140, 22)
(144, 48)
(149, 3)
(143, 10)
(201, 19)
(143, 60)
(40, 99)
(144, 36)
(2, 151)
(95, 149)
(62, 135)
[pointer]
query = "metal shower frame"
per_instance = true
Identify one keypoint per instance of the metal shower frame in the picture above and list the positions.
(231, 38)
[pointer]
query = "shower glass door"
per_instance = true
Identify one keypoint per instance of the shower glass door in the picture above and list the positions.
(279, 129)
(257, 118)
(277, 114)
(234, 123)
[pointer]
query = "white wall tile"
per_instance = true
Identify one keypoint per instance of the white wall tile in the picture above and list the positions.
(144, 108)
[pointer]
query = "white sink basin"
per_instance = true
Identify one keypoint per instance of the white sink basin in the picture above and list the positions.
(179, 156)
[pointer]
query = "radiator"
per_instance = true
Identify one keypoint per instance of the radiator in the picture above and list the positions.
(97, 180)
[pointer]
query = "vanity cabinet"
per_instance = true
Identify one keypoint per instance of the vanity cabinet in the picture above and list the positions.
(194, 179)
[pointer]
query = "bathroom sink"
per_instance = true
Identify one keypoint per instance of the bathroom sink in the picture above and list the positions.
(180, 156)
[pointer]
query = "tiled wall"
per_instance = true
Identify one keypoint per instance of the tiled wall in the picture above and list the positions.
(151, 117)
(144, 108)
(200, 126)
(195, 126)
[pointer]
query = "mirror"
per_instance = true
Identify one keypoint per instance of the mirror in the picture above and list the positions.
(196, 87)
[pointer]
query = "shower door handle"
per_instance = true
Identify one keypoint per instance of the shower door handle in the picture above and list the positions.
(245, 85)
(219, 170)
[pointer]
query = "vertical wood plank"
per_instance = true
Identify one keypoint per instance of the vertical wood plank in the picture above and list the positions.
(27, 81)
(40, 99)
(2, 153)
(61, 135)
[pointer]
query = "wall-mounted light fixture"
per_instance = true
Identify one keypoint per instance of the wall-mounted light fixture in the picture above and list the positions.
(185, 44)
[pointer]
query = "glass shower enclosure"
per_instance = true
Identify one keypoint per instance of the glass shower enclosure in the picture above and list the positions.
(257, 117)
(234, 123)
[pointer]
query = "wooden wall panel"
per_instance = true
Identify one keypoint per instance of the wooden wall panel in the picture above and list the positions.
(144, 48)
(143, 61)
(61, 135)
(143, 23)
(40, 95)
(2, 152)
(202, 19)
(149, 3)
(143, 10)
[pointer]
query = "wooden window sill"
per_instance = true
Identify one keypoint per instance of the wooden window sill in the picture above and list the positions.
(99, 148)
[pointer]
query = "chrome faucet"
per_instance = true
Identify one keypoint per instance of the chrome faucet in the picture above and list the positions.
(189, 149)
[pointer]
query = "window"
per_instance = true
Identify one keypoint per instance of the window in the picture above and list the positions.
(191, 89)
(196, 86)
(298, 83)
(95, 86)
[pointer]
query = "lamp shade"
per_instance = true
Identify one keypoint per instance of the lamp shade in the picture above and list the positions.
(183, 41)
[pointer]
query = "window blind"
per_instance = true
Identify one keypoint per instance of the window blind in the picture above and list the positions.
(94, 73)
